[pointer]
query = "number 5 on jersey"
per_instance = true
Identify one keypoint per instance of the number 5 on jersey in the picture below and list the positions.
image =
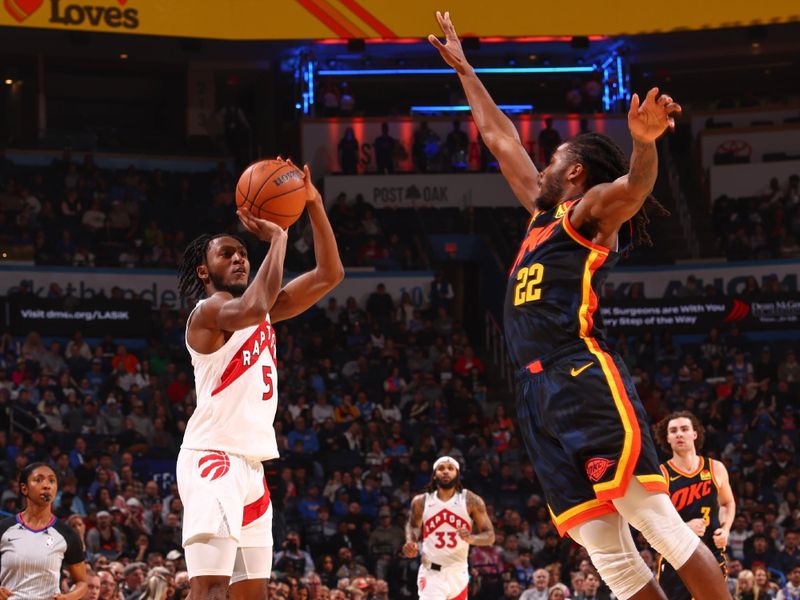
(266, 373)
(527, 280)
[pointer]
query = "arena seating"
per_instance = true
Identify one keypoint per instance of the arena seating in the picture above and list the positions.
(370, 397)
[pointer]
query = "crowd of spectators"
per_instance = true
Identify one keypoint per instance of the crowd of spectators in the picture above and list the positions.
(81, 215)
(759, 227)
(371, 394)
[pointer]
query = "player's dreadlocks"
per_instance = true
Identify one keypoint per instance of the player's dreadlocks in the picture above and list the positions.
(189, 284)
(604, 162)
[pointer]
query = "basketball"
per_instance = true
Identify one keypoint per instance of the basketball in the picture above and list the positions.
(272, 190)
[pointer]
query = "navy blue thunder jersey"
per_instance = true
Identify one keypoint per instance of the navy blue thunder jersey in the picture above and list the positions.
(553, 287)
(695, 495)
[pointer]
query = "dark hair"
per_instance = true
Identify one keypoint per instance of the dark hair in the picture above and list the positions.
(189, 284)
(605, 162)
(26, 473)
(660, 429)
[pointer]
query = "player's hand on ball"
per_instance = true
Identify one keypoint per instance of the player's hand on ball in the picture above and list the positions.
(451, 50)
(261, 228)
(698, 526)
(721, 538)
(312, 192)
(465, 534)
(649, 119)
(5, 593)
(410, 549)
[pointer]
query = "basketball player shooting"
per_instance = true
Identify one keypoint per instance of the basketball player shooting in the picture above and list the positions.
(446, 520)
(227, 529)
(583, 424)
(700, 490)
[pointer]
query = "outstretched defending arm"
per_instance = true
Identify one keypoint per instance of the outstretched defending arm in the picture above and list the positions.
(482, 533)
(609, 205)
(414, 527)
(497, 130)
(309, 288)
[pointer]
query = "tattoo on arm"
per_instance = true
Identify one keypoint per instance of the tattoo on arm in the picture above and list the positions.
(483, 530)
(414, 524)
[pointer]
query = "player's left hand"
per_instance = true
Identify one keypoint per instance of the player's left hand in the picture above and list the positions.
(312, 193)
(466, 535)
(721, 538)
(648, 120)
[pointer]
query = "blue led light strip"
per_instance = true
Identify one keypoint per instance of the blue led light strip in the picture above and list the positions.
(465, 108)
(487, 70)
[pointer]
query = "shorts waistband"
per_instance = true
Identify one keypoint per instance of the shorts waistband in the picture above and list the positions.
(538, 365)
(437, 567)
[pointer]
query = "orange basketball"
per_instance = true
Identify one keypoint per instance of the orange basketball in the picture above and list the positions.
(272, 190)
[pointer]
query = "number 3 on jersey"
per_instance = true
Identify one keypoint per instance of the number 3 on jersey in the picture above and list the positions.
(452, 541)
(266, 372)
(527, 280)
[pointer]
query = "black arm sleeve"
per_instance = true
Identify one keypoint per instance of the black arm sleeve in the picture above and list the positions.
(74, 553)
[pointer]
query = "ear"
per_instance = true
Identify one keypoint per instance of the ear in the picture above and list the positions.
(575, 173)
(202, 273)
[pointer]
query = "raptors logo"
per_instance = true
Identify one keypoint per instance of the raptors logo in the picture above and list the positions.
(597, 467)
(214, 465)
(422, 583)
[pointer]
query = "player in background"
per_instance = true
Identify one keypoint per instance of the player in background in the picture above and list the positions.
(583, 424)
(699, 489)
(446, 520)
(227, 529)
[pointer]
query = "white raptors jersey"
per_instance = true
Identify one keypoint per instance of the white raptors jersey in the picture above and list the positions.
(237, 394)
(441, 521)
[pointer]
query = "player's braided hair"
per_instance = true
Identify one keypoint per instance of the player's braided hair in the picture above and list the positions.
(189, 284)
(604, 162)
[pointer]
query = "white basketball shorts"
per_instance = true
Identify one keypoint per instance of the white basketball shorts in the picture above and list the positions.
(225, 496)
(450, 583)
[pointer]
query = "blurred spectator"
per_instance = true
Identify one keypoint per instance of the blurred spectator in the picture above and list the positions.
(348, 152)
(385, 149)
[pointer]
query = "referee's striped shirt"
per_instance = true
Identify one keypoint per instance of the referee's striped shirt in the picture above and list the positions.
(31, 559)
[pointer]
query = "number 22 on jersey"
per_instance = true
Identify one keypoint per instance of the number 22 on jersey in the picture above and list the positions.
(528, 278)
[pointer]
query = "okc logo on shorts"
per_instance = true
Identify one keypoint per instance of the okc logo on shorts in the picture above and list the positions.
(214, 464)
(597, 467)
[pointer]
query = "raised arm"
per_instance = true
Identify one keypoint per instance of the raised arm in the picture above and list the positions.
(309, 288)
(223, 311)
(608, 205)
(727, 504)
(414, 527)
(482, 533)
(497, 130)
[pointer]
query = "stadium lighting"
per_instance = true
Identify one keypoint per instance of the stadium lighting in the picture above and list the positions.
(486, 70)
(9, 81)
(509, 108)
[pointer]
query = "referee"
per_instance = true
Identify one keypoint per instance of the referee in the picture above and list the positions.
(35, 544)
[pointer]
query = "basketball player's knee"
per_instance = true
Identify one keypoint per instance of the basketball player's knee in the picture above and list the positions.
(614, 555)
(209, 586)
(659, 523)
(671, 537)
(624, 572)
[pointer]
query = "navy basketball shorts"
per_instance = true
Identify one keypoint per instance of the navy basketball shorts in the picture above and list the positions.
(586, 431)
